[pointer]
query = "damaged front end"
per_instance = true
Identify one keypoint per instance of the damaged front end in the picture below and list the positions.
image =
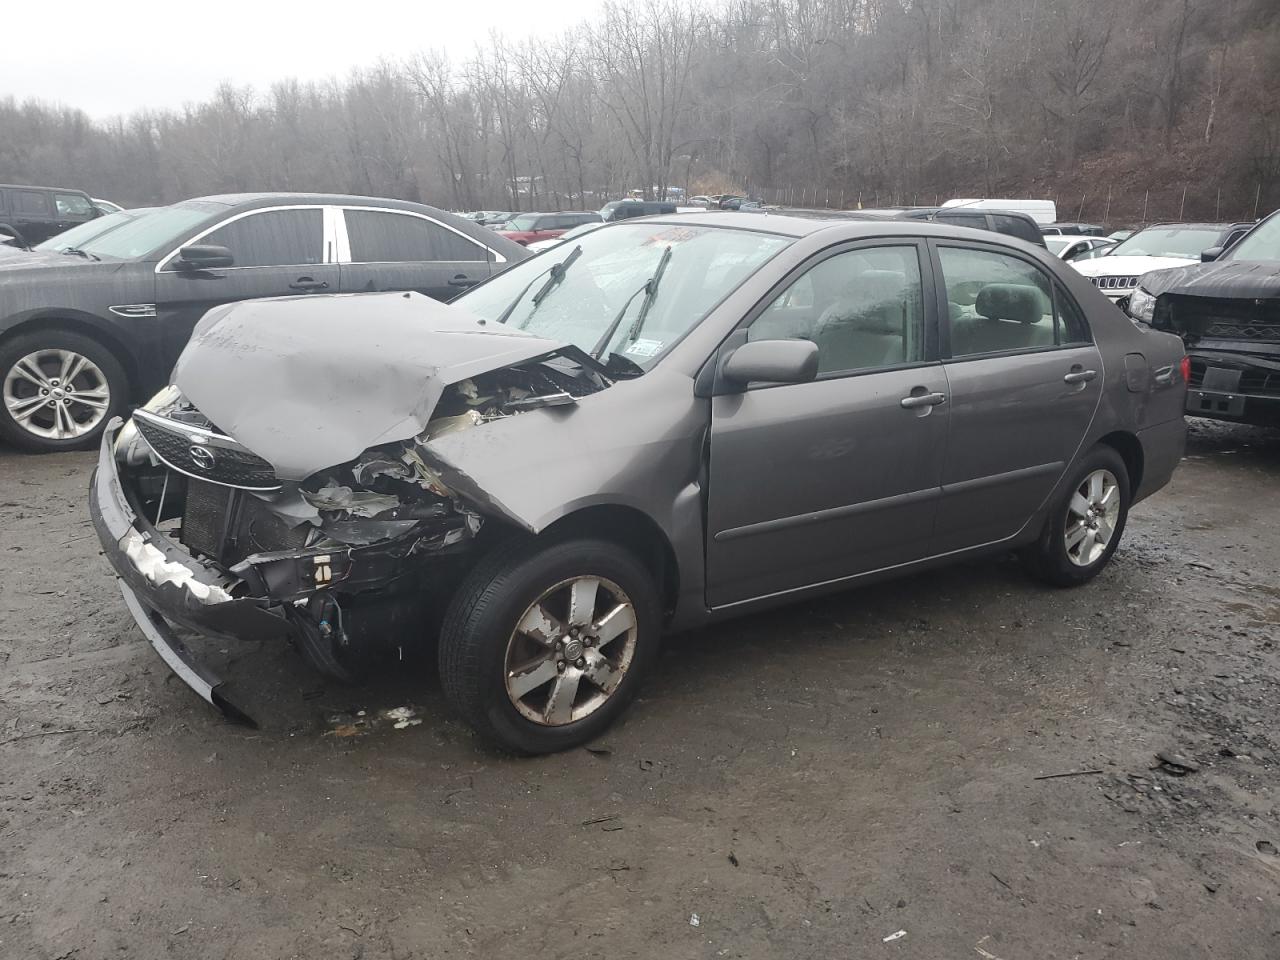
(346, 563)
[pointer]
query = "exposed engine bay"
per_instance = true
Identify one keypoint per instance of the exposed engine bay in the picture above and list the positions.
(351, 555)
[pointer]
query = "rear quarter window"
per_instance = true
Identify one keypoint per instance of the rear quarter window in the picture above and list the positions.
(1017, 227)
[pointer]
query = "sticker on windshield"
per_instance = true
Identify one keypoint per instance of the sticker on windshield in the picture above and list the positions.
(674, 235)
(644, 348)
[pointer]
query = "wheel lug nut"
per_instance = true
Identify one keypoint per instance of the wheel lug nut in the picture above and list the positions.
(582, 662)
(560, 666)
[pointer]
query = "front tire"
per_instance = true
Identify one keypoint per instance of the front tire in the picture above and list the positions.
(545, 644)
(58, 390)
(1086, 523)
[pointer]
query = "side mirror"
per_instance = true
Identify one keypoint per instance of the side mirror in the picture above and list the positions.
(204, 256)
(772, 361)
(1210, 255)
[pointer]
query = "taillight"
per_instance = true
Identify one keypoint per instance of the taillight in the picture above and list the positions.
(1185, 367)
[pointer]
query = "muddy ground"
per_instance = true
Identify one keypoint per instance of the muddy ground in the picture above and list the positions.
(802, 784)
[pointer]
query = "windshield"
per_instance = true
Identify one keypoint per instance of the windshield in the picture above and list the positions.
(604, 286)
(79, 235)
(1058, 244)
(524, 222)
(148, 234)
(580, 230)
(1261, 243)
(1184, 242)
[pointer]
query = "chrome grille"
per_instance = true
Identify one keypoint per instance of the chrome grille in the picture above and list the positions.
(1114, 283)
(203, 455)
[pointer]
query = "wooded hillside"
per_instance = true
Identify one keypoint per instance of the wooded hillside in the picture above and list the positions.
(1128, 109)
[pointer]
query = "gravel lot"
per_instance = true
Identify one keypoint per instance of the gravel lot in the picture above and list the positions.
(801, 784)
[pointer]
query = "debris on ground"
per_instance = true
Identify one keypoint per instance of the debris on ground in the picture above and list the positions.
(402, 717)
(896, 935)
(1175, 764)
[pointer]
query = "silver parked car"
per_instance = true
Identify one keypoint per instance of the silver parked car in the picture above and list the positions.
(663, 423)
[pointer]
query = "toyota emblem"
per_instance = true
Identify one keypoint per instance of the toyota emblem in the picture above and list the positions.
(202, 457)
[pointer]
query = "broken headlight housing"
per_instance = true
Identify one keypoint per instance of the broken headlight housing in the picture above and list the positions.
(1142, 306)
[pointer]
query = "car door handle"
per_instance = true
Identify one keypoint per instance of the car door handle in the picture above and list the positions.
(462, 281)
(306, 283)
(1080, 376)
(923, 400)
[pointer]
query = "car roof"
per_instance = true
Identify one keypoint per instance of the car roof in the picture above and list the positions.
(33, 186)
(847, 222)
(1191, 225)
(251, 200)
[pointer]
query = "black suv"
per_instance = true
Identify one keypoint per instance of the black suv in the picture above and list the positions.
(84, 334)
(1009, 222)
(34, 214)
(1227, 311)
(626, 209)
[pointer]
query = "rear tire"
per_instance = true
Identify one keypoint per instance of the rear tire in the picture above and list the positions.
(58, 390)
(1085, 524)
(545, 644)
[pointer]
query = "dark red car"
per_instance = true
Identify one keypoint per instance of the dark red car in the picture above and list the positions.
(525, 228)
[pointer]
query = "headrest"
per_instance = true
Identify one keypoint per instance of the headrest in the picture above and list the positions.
(1012, 301)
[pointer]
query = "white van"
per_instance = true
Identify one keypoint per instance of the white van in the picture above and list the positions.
(1041, 211)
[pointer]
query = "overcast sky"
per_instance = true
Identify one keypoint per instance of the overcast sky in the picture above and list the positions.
(114, 56)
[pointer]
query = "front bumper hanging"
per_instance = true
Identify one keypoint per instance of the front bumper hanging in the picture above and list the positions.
(162, 585)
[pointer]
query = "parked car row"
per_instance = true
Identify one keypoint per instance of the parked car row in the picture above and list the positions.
(1156, 247)
(93, 320)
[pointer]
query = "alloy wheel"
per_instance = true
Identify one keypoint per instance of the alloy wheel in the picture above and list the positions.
(1092, 515)
(570, 650)
(56, 394)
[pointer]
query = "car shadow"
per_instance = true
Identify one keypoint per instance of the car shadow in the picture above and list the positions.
(1250, 446)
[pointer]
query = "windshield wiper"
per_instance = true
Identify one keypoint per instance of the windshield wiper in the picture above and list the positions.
(77, 252)
(557, 272)
(651, 290)
(648, 289)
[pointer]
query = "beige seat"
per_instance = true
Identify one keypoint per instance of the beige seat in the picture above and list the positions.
(1009, 316)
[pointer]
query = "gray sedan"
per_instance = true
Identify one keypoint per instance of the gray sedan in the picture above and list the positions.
(661, 424)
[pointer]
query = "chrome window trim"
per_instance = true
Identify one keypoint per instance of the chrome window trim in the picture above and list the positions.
(325, 239)
(344, 239)
(134, 310)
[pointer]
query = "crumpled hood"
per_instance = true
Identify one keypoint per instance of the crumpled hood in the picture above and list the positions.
(311, 382)
(1126, 266)
(1257, 279)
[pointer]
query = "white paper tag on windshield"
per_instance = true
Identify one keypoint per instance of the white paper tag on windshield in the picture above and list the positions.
(644, 348)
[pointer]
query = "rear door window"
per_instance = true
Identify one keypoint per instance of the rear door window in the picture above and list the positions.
(32, 203)
(996, 302)
(273, 238)
(385, 237)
